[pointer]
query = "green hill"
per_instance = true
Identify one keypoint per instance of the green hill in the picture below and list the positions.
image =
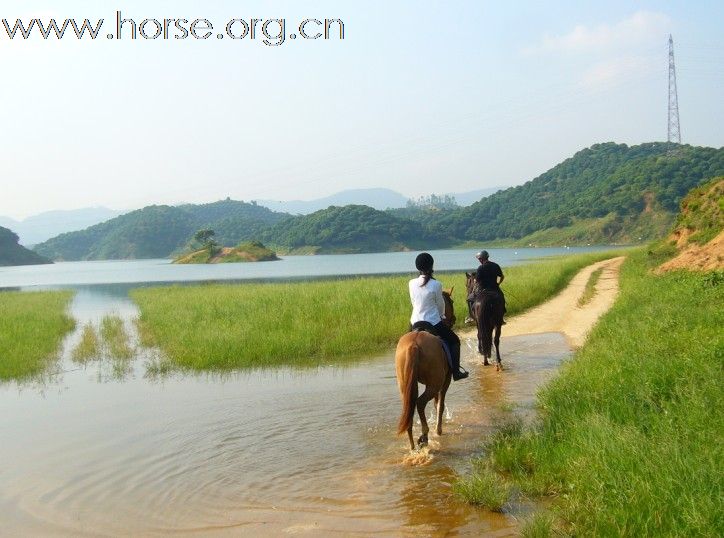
(11, 253)
(349, 229)
(159, 231)
(606, 193)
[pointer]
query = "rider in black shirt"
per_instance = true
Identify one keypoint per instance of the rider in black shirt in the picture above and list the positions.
(488, 277)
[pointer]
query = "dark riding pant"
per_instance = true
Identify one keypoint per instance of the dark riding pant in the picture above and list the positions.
(452, 341)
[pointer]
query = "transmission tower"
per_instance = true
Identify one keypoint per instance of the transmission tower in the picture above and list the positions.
(674, 128)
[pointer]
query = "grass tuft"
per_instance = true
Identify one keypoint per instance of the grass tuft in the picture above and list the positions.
(484, 488)
(89, 346)
(540, 525)
(115, 338)
(590, 290)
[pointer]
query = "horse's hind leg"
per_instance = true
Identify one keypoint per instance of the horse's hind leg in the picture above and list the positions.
(422, 400)
(441, 405)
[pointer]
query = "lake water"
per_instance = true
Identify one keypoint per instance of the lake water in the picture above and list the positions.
(103, 449)
(94, 451)
(71, 274)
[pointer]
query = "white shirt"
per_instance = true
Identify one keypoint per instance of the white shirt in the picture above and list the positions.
(427, 302)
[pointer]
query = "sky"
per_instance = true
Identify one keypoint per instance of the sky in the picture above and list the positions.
(420, 97)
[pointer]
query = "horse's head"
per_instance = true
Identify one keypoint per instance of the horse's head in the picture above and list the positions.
(449, 308)
(470, 282)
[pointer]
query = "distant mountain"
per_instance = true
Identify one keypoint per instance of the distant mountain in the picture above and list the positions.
(349, 229)
(11, 253)
(43, 226)
(375, 198)
(160, 231)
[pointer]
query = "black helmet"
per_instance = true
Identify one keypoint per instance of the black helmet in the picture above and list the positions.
(424, 262)
(482, 255)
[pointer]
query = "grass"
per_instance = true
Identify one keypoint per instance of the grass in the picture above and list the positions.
(115, 338)
(89, 346)
(631, 437)
(483, 487)
(702, 211)
(32, 326)
(222, 326)
(590, 290)
(540, 525)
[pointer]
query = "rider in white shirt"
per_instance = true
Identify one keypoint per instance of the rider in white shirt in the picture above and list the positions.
(428, 306)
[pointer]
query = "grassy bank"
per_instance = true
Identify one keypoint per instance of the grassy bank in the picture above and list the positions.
(32, 326)
(630, 440)
(307, 323)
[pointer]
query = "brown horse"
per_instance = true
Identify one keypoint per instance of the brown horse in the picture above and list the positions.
(420, 358)
(487, 311)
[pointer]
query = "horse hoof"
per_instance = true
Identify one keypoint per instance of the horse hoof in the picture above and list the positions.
(486, 363)
(422, 441)
(498, 367)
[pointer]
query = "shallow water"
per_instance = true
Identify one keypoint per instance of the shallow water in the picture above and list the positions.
(273, 452)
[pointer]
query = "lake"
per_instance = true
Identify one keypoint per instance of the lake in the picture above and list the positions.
(71, 274)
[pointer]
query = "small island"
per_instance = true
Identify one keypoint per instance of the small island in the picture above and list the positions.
(250, 251)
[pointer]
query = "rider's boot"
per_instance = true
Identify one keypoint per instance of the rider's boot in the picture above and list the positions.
(457, 372)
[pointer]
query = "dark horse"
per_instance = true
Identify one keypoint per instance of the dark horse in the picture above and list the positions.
(487, 311)
(420, 358)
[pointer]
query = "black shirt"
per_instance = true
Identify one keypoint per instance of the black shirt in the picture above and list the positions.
(487, 275)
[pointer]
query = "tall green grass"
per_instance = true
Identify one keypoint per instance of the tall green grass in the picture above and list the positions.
(631, 437)
(32, 326)
(222, 326)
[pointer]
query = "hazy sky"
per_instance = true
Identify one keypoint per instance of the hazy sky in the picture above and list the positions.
(419, 97)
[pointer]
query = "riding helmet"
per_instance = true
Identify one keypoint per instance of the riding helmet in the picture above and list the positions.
(424, 262)
(482, 255)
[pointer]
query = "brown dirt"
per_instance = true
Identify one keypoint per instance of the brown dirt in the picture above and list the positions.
(696, 257)
(562, 313)
(648, 202)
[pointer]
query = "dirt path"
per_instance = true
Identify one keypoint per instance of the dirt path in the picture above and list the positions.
(562, 313)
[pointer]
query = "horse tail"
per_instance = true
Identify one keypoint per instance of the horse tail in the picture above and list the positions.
(408, 387)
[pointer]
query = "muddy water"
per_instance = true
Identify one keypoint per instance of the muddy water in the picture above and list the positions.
(273, 452)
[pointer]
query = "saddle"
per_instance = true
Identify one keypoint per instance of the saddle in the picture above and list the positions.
(426, 326)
